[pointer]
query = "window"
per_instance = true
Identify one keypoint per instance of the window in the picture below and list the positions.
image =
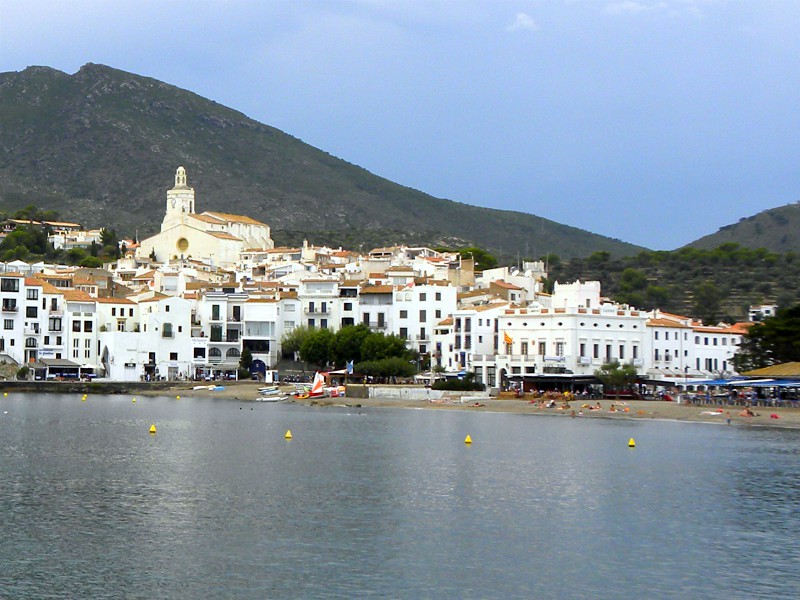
(423, 316)
(656, 335)
(542, 348)
(438, 314)
(9, 285)
(173, 356)
(523, 348)
(323, 323)
(30, 342)
(467, 342)
(635, 352)
(622, 352)
(312, 323)
(58, 340)
(8, 323)
(54, 324)
(582, 350)
(559, 348)
(214, 353)
(166, 330)
(166, 308)
(32, 294)
(47, 340)
(87, 326)
(404, 333)
(31, 311)
(199, 353)
(113, 311)
(130, 312)
(596, 350)
(348, 306)
(232, 353)
(76, 326)
(423, 296)
(9, 305)
(215, 312)
(438, 295)
(403, 314)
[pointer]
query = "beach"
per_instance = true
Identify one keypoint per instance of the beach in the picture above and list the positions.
(247, 391)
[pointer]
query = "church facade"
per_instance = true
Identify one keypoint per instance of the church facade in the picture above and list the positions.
(213, 237)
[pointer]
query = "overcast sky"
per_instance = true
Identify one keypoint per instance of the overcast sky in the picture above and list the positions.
(652, 121)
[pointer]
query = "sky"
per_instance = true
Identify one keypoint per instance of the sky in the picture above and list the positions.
(655, 122)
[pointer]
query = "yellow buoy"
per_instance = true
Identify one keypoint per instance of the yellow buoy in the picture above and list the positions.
(467, 440)
(177, 397)
(288, 435)
(631, 443)
(83, 399)
(134, 400)
(5, 393)
(152, 428)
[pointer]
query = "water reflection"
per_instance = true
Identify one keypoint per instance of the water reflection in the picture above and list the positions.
(386, 503)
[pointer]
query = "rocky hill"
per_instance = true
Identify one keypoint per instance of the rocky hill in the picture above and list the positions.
(101, 147)
(776, 229)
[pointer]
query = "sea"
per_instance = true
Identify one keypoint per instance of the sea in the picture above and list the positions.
(386, 503)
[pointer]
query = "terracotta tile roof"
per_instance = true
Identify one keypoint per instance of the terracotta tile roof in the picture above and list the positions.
(377, 289)
(31, 281)
(447, 321)
(485, 307)
(666, 323)
(207, 219)
(77, 296)
(114, 301)
(223, 235)
(504, 284)
(234, 218)
(147, 275)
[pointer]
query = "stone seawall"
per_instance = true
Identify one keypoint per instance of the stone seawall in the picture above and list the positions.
(85, 387)
(408, 392)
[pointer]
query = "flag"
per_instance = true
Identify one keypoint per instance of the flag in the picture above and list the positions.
(507, 338)
(349, 367)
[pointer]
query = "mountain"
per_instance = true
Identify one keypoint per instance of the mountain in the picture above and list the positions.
(776, 229)
(101, 147)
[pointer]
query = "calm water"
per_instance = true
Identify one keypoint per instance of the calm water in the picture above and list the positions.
(386, 504)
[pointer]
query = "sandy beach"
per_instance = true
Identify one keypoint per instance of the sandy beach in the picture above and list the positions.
(246, 391)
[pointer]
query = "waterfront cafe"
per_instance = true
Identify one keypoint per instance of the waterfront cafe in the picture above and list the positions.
(56, 369)
(776, 385)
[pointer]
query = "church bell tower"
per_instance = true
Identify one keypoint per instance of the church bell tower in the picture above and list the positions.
(180, 200)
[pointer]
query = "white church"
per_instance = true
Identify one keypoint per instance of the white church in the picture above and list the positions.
(213, 237)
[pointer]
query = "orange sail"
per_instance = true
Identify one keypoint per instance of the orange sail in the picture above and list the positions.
(318, 386)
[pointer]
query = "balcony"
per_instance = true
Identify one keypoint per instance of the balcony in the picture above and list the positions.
(375, 325)
(32, 331)
(317, 310)
(9, 308)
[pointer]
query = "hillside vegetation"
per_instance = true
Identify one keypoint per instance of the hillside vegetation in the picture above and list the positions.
(712, 285)
(776, 229)
(102, 146)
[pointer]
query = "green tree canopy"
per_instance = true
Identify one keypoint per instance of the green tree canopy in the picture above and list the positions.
(293, 339)
(616, 377)
(773, 341)
(316, 347)
(378, 346)
(347, 343)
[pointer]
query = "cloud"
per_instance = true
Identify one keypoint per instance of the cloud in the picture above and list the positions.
(523, 22)
(631, 7)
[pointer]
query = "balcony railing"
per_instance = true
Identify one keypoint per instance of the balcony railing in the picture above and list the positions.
(317, 310)
(375, 325)
(7, 308)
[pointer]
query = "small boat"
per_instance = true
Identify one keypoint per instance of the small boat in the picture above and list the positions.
(269, 391)
(271, 398)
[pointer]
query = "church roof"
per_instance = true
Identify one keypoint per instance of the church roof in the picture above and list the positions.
(206, 218)
(234, 218)
(223, 235)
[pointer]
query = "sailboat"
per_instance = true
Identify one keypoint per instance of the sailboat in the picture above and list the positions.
(317, 388)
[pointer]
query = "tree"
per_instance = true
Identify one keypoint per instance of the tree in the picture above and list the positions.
(316, 347)
(482, 258)
(293, 339)
(347, 343)
(773, 341)
(707, 297)
(616, 377)
(245, 362)
(378, 346)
